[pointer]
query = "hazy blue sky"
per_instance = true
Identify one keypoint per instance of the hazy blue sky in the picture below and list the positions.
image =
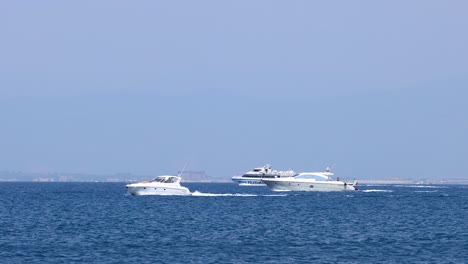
(378, 87)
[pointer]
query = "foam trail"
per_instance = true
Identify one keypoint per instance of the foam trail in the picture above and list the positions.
(376, 190)
(197, 193)
(420, 186)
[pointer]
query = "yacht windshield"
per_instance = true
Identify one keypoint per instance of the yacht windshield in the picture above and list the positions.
(311, 176)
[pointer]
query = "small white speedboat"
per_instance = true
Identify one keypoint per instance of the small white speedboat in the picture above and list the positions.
(310, 181)
(161, 185)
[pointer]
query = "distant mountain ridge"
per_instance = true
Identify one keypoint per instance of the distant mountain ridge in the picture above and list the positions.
(13, 176)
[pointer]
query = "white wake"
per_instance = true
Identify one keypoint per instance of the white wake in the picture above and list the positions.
(420, 186)
(375, 190)
(197, 193)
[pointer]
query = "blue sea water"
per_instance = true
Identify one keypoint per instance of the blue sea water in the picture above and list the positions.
(225, 223)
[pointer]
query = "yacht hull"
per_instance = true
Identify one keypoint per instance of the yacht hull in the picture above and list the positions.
(255, 176)
(309, 186)
(244, 181)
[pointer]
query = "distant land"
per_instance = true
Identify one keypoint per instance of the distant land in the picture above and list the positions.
(187, 176)
(15, 176)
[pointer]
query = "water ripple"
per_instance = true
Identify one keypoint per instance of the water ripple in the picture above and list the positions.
(224, 223)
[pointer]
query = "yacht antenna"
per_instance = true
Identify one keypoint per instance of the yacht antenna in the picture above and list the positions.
(328, 168)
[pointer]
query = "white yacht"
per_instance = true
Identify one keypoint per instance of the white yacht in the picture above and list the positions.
(255, 176)
(310, 181)
(161, 185)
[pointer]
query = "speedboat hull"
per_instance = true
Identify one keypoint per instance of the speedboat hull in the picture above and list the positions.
(152, 190)
(309, 186)
(158, 191)
(162, 185)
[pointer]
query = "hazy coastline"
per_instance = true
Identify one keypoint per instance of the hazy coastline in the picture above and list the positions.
(15, 176)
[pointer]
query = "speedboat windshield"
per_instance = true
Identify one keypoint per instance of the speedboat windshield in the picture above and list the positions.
(171, 180)
(166, 179)
(159, 179)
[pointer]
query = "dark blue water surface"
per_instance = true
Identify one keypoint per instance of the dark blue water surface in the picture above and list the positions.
(225, 223)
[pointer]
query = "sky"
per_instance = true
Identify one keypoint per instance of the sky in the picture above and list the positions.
(378, 88)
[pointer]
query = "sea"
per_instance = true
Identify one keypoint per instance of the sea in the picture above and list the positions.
(226, 223)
